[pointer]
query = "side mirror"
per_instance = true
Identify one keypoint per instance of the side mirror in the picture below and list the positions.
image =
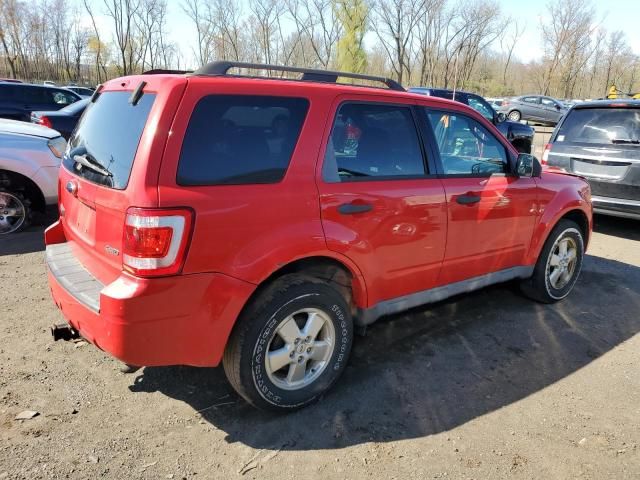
(558, 107)
(528, 166)
(501, 117)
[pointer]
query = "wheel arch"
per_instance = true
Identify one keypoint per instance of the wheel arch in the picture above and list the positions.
(574, 213)
(9, 179)
(344, 275)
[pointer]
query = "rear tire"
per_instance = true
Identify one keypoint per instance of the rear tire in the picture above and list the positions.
(558, 265)
(290, 345)
(15, 211)
(514, 116)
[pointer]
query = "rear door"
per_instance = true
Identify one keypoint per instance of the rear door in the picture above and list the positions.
(491, 212)
(382, 205)
(111, 164)
(603, 145)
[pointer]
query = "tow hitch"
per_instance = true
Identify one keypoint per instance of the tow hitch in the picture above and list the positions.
(63, 331)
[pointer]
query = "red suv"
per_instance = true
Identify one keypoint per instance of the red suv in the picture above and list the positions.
(254, 221)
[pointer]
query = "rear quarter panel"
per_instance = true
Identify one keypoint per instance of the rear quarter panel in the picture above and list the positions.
(250, 231)
(559, 194)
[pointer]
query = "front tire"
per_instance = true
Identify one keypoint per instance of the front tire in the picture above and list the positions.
(515, 116)
(290, 345)
(558, 265)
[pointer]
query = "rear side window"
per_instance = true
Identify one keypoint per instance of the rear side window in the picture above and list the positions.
(372, 140)
(601, 125)
(107, 137)
(240, 139)
(60, 97)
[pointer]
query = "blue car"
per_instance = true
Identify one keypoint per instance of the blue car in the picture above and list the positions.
(18, 100)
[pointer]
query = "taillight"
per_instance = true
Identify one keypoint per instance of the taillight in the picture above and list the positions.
(44, 121)
(545, 154)
(155, 241)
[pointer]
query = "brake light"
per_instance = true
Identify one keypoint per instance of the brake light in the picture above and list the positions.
(44, 121)
(155, 241)
(545, 154)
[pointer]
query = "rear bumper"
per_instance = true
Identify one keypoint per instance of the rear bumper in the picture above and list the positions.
(618, 207)
(179, 320)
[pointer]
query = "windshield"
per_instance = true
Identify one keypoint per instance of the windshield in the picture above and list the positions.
(601, 125)
(104, 145)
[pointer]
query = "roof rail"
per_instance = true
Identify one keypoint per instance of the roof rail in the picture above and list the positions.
(158, 71)
(308, 74)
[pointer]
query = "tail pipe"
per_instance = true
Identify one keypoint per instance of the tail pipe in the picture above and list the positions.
(64, 331)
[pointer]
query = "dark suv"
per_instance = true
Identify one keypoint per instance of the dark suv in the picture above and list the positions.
(18, 100)
(254, 222)
(600, 140)
(519, 134)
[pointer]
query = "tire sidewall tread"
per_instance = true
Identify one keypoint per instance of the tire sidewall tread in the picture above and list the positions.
(243, 359)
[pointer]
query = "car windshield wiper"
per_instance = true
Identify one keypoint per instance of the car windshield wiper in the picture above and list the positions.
(626, 141)
(86, 160)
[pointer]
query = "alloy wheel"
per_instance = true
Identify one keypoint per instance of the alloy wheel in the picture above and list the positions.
(300, 348)
(562, 262)
(12, 213)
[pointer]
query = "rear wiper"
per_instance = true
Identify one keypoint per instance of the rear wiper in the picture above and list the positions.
(91, 163)
(627, 141)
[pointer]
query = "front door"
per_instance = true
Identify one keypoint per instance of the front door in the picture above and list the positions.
(379, 205)
(491, 213)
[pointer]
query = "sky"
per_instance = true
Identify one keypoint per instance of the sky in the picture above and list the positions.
(613, 15)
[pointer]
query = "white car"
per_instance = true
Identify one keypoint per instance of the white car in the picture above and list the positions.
(29, 162)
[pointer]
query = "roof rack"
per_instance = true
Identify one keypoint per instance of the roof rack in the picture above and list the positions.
(308, 74)
(159, 71)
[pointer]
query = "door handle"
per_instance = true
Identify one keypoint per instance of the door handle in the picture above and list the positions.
(353, 208)
(467, 199)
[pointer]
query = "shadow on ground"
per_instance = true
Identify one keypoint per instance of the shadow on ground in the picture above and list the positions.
(432, 369)
(29, 241)
(618, 227)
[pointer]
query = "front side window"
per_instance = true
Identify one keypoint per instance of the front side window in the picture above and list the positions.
(547, 102)
(466, 147)
(240, 139)
(372, 140)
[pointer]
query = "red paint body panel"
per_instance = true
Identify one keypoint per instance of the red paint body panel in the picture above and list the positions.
(493, 234)
(183, 320)
(415, 238)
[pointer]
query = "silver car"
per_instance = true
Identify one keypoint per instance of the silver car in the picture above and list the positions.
(535, 108)
(29, 163)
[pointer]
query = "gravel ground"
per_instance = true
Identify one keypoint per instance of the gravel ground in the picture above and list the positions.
(489, 385)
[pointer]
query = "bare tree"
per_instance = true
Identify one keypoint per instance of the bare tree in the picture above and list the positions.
(395, 23)
(122, 14)
(511, 40)
(566, 37)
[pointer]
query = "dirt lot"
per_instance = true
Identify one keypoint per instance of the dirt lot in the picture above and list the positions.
(487, 386)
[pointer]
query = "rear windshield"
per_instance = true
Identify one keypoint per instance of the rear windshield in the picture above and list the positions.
(240, 139)
(107, 138)
(601, 125)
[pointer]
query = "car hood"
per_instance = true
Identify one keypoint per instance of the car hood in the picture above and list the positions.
(24, 128)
